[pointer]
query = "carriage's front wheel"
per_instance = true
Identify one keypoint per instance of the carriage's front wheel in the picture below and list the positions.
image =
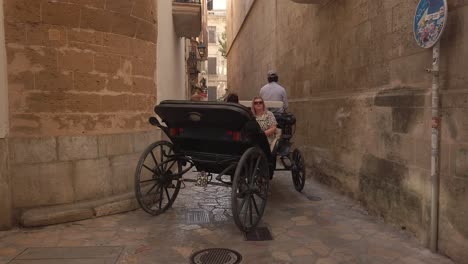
(298, 170)
(250, 189)
(156, 186)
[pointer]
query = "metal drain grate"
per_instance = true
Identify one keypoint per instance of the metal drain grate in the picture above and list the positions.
(259, 234)
(197, 216)
(216, 256)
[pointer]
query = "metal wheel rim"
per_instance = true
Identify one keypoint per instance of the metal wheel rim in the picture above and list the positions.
(250, 189)
(298, 170)
(155, 188)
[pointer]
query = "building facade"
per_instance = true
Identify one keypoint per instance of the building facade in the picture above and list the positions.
(216, 70)
(357, 84)
(80, 80)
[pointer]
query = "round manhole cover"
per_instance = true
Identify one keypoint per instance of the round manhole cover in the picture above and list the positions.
(216, 256)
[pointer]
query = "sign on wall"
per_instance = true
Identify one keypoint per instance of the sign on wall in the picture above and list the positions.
(429, 22)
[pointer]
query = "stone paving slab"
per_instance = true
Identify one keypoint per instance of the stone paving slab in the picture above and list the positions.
(334, 229)
(70, 253)
(64, 261)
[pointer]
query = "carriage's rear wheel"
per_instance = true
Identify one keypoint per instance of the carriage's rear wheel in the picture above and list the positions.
(250, 189)
(156, 187)
(298, 170)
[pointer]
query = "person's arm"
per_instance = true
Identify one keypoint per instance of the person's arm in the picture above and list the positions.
(285, 101)
(272, 121)
(270, 131)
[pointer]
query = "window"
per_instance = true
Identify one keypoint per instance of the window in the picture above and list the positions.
(211, 34)
(210, 5)
(212, 65)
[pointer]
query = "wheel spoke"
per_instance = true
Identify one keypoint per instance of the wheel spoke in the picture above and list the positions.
(242, 203)
(156, 184)
(245, 215)
(147, 181)
(168, 196)
(160, 197)
(250, 210)
(163, 153)
(155, 162)
(255, 205)
(148, 168)
(260, 196)
(170, 167)
(241, 194)
(256, 168)
(251, 169)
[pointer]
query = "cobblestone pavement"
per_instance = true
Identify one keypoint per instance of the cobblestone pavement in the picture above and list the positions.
(332, 230)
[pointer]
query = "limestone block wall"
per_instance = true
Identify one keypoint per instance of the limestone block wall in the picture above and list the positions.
(357, 85)
(81, 86)
(80, 67)
(6, 216)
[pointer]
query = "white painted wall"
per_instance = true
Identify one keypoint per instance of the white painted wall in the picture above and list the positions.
(3, 78)
(170, 73)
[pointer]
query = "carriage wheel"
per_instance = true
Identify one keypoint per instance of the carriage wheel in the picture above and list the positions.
(156, 187)
(250, 189)
(298, 170)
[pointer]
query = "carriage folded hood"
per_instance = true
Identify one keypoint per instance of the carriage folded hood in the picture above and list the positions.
(219, 114)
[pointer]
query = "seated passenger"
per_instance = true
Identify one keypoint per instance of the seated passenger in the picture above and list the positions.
(265, 118)
(232, 98)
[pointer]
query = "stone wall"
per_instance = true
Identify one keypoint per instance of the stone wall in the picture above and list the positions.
(81, 86)
(80, 67)
(53, 171)
(6, 216)
(357, 84)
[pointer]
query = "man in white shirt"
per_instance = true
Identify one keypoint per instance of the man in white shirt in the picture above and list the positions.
(274, 92)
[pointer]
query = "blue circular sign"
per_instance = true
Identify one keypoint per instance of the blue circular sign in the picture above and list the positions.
(429, 22)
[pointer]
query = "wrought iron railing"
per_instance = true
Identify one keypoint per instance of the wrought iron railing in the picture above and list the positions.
(188, 1)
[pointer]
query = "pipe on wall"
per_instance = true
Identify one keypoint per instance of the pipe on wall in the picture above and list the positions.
(435, 153)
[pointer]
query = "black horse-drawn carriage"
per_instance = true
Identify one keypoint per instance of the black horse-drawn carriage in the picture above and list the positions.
(218, 138)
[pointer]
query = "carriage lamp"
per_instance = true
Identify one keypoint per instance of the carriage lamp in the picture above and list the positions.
(201, 50)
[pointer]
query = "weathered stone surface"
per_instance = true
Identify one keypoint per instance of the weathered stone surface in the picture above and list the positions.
(23, 11)
(32, 150)
(60, 52)
(145, 10)
(118, 144)
(459, 155)
(143, 139)
(76, 61)
(38, 217)
(89, 82)
(359, 90)
(96, 19)
(123, 172)
(66, 87)
(116, 207)
(53, 81)
(6, 217)
(107, 63)
(146, 31)
(61, 14)
(77, 147)
(92, 179)
(46, 35)
(333, 230)
(41, 184)
(124, 25)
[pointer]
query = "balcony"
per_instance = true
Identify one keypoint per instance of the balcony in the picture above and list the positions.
(187, 16)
